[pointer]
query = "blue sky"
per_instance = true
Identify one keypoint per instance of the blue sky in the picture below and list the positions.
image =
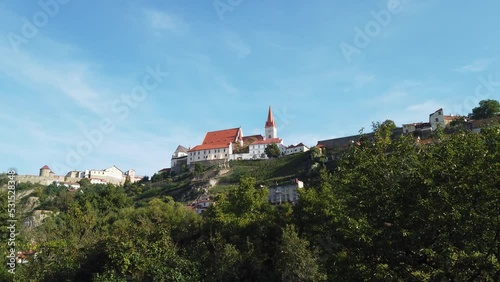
(227, 61)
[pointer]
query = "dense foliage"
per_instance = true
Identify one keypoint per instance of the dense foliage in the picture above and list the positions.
(486, 109)
(272, 151)
(388, 210)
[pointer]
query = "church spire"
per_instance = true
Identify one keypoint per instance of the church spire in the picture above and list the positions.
(271, 131)
(270, 119)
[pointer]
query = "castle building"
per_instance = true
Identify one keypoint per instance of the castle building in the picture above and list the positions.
(111, 175)
(45, 171)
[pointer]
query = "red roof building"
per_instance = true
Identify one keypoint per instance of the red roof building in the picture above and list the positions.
(217, 145)
(294, 149)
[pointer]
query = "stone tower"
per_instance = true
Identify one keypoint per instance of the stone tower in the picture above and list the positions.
(271, 131)
(45, 171)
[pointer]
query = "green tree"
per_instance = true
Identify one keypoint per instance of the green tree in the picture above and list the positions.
(486, 109)
(396, 211)
(243, 235)
(84, 183)
(459, 121)
(3, 179)
(295, 261)
(272, 151)
(199, 168)
(156, 178)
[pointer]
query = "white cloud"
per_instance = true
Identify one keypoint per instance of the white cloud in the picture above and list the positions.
(393, 96)
(234, 43)
(68, 79)
(226, 85)
(396, 95)
(362, 79)
(165, 21)
(427, 107)
(476, 66)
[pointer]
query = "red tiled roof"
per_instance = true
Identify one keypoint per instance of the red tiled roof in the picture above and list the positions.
(270, 119)
(46, 167)
(450, 117)
(268, 141)
(218, 139)
(296, 146)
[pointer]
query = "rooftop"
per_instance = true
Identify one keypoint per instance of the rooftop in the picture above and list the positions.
(268, 141)
(218, 139)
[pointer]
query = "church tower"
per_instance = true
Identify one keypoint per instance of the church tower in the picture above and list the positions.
(271, 131)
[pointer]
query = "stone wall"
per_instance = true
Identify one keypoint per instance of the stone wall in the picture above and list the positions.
(38, 179)
(344, 142)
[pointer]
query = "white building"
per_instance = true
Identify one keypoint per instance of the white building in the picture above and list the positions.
(130, 174)
(222, 144)
(217, 145)
(285, 193)
(439, 119)
(111, 175)
(295, 149)
(257, 148)
(98, 181)
(179, 158)
(435, 119)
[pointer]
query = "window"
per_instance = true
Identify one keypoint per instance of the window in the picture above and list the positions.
(437, 119)
(198, 158)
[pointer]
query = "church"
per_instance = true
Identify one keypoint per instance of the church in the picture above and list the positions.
(231, 144)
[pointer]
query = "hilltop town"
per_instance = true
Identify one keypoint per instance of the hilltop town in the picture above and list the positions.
(111, 175)
(220, 147)
(235, 183)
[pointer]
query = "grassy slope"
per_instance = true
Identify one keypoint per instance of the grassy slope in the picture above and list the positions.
(266, 172)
